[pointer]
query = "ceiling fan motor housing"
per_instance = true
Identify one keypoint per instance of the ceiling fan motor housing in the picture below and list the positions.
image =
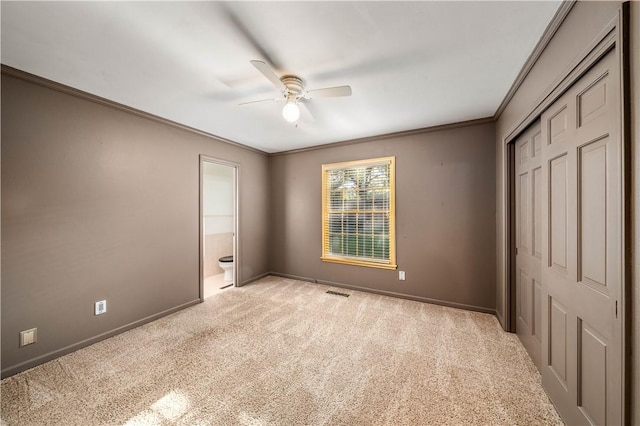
(294, 85)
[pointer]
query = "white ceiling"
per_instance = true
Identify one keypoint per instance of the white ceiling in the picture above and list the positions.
(410, 64)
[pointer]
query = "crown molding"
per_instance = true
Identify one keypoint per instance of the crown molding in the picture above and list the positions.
(44, 82)
(404, 133)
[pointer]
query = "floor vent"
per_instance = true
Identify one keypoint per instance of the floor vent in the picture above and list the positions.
(336, 293)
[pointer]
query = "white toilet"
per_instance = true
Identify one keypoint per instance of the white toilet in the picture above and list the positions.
(226, 263)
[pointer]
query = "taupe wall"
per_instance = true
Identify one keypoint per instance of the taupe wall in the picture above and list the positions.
(98, 203)
(635, 107)
(445, 210)
(581, 27)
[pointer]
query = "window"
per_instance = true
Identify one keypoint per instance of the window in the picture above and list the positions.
(358, 213)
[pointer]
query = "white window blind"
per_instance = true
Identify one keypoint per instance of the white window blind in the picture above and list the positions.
(358, 212)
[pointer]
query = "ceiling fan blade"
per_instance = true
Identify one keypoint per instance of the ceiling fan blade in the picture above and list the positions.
(244, 30)
(268, 72)
(329, 92)
(305, 107)
(258, 101)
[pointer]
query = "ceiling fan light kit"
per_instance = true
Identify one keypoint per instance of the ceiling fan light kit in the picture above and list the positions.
(293, 90)
(291, 111)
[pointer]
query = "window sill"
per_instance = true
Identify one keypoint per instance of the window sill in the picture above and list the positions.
(355, 262)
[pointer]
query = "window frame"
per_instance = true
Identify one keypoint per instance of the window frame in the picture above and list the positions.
(353, 260)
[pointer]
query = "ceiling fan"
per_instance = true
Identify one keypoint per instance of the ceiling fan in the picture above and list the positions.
(293, 91)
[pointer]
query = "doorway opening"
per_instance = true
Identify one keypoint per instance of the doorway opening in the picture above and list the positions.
(218, 226)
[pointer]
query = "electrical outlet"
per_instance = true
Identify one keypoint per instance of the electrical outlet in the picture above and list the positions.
(28, 337)
(101, 307)
(401, 275)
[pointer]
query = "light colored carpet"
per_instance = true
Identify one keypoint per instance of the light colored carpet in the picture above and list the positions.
(284, 352)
